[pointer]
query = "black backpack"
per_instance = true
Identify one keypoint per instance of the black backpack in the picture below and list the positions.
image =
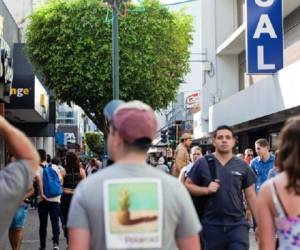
(200, 201)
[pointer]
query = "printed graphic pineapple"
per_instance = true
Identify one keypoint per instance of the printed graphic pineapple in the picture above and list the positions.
(124, 202)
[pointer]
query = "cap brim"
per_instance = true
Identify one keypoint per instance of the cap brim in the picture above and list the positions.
(111, 107)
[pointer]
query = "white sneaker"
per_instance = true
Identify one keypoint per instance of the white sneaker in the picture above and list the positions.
(55, 247)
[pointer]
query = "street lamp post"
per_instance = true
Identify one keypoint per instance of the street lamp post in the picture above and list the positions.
(115, 50)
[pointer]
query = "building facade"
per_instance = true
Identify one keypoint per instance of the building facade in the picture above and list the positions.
(9, 34)
(180, 112)
(255, 105)
(71, 125)
(31, 107)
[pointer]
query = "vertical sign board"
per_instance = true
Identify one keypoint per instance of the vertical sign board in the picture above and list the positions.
(264, 36)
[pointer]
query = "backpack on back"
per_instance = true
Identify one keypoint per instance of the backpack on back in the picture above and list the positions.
(201, 201)
(51, 183)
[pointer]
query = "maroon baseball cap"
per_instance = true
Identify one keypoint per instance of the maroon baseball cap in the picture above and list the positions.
(133, 120)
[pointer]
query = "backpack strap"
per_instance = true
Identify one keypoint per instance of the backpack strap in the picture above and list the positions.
(212, 166)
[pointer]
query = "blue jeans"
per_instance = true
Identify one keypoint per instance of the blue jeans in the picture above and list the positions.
(226, 237)
(51, 208)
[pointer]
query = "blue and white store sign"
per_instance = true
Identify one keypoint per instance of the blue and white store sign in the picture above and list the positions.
(264, 36)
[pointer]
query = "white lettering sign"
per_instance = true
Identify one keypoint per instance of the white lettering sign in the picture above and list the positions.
(70, 137)
(260, 60)
(264, 26)
(264, 3)
(264, 36)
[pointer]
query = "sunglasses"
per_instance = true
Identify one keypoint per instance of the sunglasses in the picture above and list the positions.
(250, 155)
(196, 154)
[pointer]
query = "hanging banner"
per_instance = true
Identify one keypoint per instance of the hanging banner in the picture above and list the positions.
(264, 41)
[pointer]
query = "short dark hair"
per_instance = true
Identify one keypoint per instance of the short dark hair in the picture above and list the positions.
(48, 158)
(43, 154)
(262, 142)
(140, 145)
(221, 128)
(55, 161)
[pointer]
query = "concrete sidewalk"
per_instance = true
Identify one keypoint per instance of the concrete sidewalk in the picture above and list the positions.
(31, 233)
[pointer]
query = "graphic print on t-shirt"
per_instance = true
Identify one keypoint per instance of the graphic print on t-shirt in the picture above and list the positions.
(133, 213)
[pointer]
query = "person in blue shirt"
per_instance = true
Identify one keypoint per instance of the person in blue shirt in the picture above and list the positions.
(264, 161)
(275, 170)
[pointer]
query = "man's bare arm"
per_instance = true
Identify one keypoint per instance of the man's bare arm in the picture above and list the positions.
(189, 243)
(196, 190)
(40, 187)
(79, 239)
(250, 196)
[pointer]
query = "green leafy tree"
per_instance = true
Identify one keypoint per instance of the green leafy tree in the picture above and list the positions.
(69, 44)
(95, 142)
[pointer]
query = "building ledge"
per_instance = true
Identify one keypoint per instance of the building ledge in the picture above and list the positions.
(235, 43)
(273, 94)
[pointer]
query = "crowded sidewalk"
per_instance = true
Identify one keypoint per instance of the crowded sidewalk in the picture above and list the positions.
(31, 238)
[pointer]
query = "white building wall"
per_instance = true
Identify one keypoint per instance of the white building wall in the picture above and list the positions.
(193, 80)
(228, 76)
(226, 19)
(20, 9)
(209, 93)
(219, 23)
(270, 95)
(46, 143)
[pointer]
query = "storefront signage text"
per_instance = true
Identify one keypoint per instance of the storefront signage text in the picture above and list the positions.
(19, 92)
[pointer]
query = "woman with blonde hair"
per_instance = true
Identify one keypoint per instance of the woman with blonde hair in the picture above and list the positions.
(278, 205)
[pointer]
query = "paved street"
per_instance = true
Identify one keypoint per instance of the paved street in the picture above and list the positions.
(31, 234)
(31, 237)
(253, 243)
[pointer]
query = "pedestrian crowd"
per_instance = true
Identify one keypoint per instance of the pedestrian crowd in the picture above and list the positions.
(210, 204)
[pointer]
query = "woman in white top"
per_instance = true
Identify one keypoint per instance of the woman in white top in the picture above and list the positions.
(278, 205)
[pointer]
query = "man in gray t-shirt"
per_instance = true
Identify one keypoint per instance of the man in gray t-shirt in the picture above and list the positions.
(131, 205)
(15, 179)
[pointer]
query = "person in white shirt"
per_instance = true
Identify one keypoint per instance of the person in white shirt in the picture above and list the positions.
(48, 205)
(196, 153)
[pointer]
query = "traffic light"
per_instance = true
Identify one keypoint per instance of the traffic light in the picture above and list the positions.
(172, 137)
(171, 134)
(163, 135)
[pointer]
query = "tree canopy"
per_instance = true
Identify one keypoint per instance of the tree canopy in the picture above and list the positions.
(69, 42)
(95, 142)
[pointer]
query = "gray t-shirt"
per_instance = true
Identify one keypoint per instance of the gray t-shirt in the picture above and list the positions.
(88, 208)
(15, 180)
